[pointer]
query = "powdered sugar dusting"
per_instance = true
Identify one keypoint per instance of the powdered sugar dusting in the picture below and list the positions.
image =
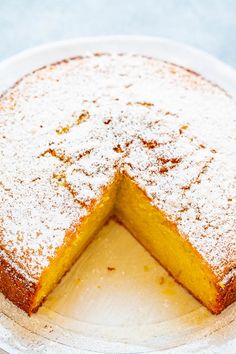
(67, 129)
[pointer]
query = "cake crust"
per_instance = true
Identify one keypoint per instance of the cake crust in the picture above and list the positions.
(15, 286)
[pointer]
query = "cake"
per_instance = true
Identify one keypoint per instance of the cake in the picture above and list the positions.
(117, 134)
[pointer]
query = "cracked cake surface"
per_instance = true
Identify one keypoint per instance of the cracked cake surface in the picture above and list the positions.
(67, 129)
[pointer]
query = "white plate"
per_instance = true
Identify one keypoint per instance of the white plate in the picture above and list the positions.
(135, 307)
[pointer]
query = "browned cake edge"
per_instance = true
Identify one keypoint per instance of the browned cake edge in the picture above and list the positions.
(16, 287)
(226, 296)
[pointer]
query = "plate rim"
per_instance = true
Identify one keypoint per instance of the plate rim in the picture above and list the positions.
(220, 72)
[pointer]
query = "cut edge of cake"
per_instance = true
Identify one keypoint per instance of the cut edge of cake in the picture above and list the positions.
(128, 203)
(162, 239)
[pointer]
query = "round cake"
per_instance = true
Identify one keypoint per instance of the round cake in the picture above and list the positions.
(147, 141)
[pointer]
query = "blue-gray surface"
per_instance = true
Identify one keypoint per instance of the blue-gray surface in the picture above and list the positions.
(206, 24)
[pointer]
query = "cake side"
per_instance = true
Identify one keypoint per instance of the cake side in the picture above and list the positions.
(228, 292)
(15, 286)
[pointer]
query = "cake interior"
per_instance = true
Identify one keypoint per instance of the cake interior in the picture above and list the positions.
(128, 202)
(161, 238)
(75, 243)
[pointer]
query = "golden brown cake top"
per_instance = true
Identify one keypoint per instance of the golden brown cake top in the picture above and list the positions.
(66, 129)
